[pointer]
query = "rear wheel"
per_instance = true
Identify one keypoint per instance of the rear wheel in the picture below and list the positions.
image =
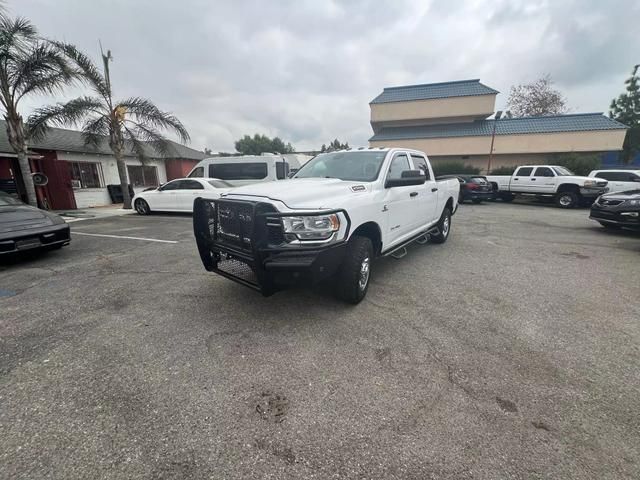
(444, 227)
(460, 198)
(566, 199)
(355, 272)
(142, 207)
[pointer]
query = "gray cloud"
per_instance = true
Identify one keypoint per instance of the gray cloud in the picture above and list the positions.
(306, 70)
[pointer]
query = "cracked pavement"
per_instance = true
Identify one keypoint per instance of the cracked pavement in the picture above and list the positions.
(512, 351)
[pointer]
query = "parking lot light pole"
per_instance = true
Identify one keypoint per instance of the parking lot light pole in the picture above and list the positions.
(493, 137)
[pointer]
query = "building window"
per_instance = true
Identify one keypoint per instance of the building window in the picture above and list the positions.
(86, 175)
(142, 175)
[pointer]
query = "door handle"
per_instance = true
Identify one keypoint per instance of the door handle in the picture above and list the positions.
(434, 189)
(533, 179)
(413, 194)
(516, 179)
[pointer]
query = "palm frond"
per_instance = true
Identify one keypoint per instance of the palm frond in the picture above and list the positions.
(136, 145)
(144, 112)
(87, 70)
(71, 113)
(95, 131)
(156, 141)
(42, 69)
(15, 35)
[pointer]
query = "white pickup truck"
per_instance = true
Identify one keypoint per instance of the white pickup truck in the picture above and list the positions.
(331, 219)
(567, 189)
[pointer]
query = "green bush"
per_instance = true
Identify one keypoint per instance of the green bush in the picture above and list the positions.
(451, 168)
(578, 163)
(506, 170)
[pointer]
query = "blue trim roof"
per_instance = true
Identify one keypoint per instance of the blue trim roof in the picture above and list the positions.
(578, 122)
(429, 91)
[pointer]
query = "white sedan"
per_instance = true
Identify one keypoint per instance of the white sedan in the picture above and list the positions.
(178, 195)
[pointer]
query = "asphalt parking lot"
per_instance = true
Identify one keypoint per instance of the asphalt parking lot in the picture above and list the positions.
(512, 351)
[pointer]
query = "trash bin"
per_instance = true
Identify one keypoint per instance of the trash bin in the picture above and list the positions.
(115, 192)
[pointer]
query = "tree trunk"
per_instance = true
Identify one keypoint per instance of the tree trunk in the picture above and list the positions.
(27, 179)
(124, 183)
(18, 142)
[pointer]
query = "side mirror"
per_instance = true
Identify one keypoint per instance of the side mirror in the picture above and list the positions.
(407, 178)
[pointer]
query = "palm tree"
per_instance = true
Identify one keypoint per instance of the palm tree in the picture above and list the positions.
(28, 66)
(131, 124)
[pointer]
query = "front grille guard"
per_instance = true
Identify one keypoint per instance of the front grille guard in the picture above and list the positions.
(244, 265)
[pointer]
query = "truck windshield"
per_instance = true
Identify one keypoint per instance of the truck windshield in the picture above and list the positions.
(351, 166)
(562, 172)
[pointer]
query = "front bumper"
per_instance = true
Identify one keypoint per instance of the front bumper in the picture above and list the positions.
(593, 191)
(43, 237)
(616, 215)
(261, 262)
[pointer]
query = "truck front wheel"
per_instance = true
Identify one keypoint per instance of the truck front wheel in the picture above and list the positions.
(566, 199)
(354, 274)
(444, 227)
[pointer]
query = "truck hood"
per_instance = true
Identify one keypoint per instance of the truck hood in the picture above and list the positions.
(303, 193)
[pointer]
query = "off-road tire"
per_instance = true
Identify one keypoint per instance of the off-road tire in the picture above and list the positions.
(566, 199)
(348, 280)
(444, 227)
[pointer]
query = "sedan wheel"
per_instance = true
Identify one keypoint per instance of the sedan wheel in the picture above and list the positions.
(142, 207)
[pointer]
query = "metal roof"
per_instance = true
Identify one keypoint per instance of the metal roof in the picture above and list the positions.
(578, 122)
(429, 91)
(64, 140)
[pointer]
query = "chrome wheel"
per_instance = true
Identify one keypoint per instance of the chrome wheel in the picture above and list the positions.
(565, 200)
(364, 273)
(445, 226)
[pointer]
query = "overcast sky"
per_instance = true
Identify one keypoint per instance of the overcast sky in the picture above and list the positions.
(306, 70)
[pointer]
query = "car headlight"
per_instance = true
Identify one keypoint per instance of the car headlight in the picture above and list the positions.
(311, 227)
(632, 203)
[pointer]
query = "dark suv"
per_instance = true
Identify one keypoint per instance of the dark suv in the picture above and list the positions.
(472, 187)
(617, 210)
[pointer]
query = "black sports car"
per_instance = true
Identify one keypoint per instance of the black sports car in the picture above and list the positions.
(23, 227)
(618, 209)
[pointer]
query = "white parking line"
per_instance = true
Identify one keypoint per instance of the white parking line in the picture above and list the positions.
(123, 237)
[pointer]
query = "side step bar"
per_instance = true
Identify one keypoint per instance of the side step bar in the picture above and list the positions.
(400, 251)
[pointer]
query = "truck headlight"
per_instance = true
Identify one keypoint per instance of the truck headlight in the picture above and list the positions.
(590, 183)
(311, 227)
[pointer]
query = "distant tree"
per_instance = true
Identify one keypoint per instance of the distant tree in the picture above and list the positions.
(259, 144)
(28, 66)
(134, 123)
(208, 152)
(626, 109)
(333, 146)
(536, 98)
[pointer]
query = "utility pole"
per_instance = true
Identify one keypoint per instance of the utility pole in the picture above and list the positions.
(493, 137)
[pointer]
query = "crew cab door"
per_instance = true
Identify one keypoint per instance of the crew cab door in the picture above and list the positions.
(521, 180)
(427, 198)
(543, 180)
(400, 203)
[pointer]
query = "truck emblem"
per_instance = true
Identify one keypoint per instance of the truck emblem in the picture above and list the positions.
(385, 209)
(358, 188)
